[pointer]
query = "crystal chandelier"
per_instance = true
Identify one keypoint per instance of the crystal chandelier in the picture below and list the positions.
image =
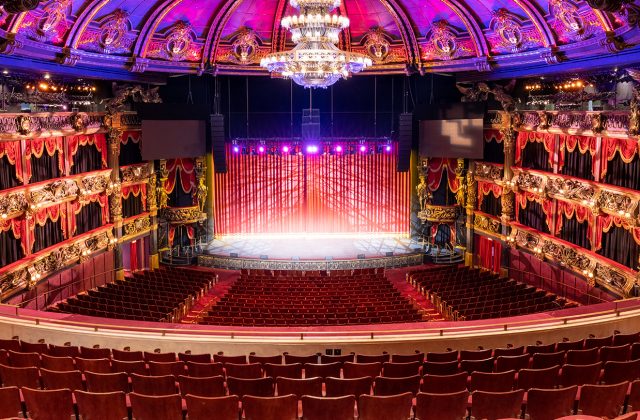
(315, 61)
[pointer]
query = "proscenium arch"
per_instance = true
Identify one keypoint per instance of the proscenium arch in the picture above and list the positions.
(159, 11)
(548, 38)
(82, 21)
(472, 25)
(277, 40)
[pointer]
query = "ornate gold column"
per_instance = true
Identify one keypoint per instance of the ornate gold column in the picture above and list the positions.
(510, 121)
(470, 207)
(114, 190)
(201, 192)
(152, 205)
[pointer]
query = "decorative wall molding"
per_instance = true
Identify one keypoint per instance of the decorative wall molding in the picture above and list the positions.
(586, 123)
(486, 223)
(595, 268)
(492, 172)
(135, 174)
(136, 226)
(439, 214)
(182, 215)
(26, 273)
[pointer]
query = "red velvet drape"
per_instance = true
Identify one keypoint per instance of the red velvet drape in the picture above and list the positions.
(11, 149)
(525, 137)
(610, 146)
(489, 253)
(99, 140)
(295, 193)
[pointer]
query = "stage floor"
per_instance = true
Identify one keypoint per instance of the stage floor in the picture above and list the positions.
(313, 247)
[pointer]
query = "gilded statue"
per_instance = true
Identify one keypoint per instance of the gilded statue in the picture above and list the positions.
(201, 194)
(424, 195)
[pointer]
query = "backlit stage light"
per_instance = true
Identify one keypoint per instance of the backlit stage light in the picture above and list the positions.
(260, 149)
(363, 148)
(312, 149)
(236, 149)
(339, 149)
(285, 149)
(387, 148)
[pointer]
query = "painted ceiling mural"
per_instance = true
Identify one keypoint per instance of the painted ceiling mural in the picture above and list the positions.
(231, 36)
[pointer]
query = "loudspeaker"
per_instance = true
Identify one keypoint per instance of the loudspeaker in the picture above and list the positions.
(405, 139)
(310, 124)
(217, 143)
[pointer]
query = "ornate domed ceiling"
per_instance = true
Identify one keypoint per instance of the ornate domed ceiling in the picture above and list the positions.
(230, 36)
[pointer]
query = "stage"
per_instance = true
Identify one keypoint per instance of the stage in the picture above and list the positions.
(312, 252)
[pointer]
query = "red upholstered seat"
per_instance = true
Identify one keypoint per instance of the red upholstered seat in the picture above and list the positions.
(372, 358)
(20, 376)
(261, 387)
(207, 408)
(299, 387)
(602, 400)
(8, 344)
(147, 407)
(337, 387)
(247, 370)
(616, 372)
(483, 365)
(538, 378)
(95, 353)
(62, 380)
(58, 363)
(360, 370)
(28, 347)
(570, 345)
(310, 358)
(166, 368)
(293, 370)
(400, 369)
(107, 382)
(549, 404)
(394, 386)
(138, 367)
(63, 351)
(615, 353)
(508, 351)
(546, 360)
(441, 406)
(406, 358)
(328, 408)
(22, 359)
(579, 374)
(277, 360)
(393, 407)
(48, 405)
(212, 386)
(198, 358)
(325, 359)
(496, 405)
(240, 359)
(153, 385)
(126, 356)
(101, 406)
(476, 354)
(595, 342)
(622, 339)
(449, 356)
(583, 357)
(159, 357)
(204, 369)
(540, 348)
(93, 365)
(444, 384)
(313, 370)
(270, 408)
(10, 405)
(633, 403)
(505, 363)
(492, 382)
(440, 368)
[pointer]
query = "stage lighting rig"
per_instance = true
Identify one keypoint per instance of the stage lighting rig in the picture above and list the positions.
(19, 6)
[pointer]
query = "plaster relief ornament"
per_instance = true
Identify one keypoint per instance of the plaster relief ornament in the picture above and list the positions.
(245, 46)
(52, 24)
(568, 20)
(443, 40)
(113, 31)
(178, 41)
(377, 44)
(508, 34)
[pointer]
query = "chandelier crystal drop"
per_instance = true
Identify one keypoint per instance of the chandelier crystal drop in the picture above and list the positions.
(315, 61)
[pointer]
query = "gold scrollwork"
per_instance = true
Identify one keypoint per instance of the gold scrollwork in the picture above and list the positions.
(486, 224)
(489, 171)
(182, 215)
(137, 226)
(439, 214)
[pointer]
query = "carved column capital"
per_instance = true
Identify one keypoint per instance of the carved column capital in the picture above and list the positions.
(508, 205)
(114, 136)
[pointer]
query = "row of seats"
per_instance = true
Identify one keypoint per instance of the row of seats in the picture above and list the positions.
(597, 401)
(277, 298)
(158, 295)
(463, 293)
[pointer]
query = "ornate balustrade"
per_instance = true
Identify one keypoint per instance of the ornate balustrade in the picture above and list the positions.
(135, 226)
(14, 202)
(491, 172)
(182, 215)
(596, 268)
(487, 224)
(135, 174)
(601, 198)
(439, 214)
(24, 274)
(586, 123)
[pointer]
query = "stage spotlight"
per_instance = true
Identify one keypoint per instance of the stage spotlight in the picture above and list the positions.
(387, 148)
(363, 148)
(312, 149)
(285, 149)
(339, 149)
(236, 149)
(260, 149)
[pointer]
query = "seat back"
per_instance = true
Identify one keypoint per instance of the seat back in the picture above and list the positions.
(9, 344)
(582, 357)
(602, 400)
(153, 385)
(337, 387)
(299, 387)
(20, 376)
(95, 353)
(247, 371)
(508, 351)
(293, 370)
(270, 408)
(445, 406)
(622, 339)
(475, 354)
(505, 363)
(62, 380)
(206, 408)
(126, 356)
(360, 370)
(62, 364)
(497, 405)
(101, 406)
(10, 405)
(595, 342)
(107, 382)
(440, 368)
(148, 407)
(238, 360)
(166, 368)
(580, 374)
(159, 357)
(407, 358)
(633, 404)
(444, 384)
(290, 358)
(276, 360)
(392, 407)
(212, 386)
(570, 345)
(323, 370)
(261, 387)
(93, 365)
(48, 405)
(27, 347)
(483, 365)
(615, 353)
(400, 370)
(372, 358)
(538, 378)
(198, 358)
(328, 408)
(394, 386)
(545, 360)
(449, 356)
(549, 404)
(21, 359)
(616, 372)
(63, 351)
(325, 358)
(138, 367)
(492, 382)
(204, 369)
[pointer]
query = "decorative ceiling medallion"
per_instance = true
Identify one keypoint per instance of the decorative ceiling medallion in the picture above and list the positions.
(568, 20)
(179, 44)
(377, 45)
(508, 35)
(49, 24)
(443, 42)
(244, 47)
(113, 31)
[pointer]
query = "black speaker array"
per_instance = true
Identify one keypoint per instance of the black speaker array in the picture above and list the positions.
(405, 140)
(310, 124)
(217, 143)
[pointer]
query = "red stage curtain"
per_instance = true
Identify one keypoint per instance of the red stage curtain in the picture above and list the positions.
(605, 223)
(522, 200)
(585, 145)
(133, 256)
(437, 166)
(37, 147)
(11, 149)
(342, 193)
(570, 211)
(76, 207)
(18, 227)
(492, 135)
(187, 175)
(626, 147)
(136, 190)
(489, 253)
(485, 188)
(133, 136)
(525, 137)
(98, 140)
